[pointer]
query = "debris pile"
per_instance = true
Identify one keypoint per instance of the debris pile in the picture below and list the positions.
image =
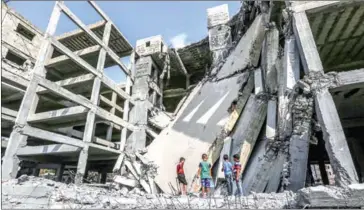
(38, 193)
(136, 172)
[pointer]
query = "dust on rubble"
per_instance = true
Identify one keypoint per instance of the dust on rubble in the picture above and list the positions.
(38, 193)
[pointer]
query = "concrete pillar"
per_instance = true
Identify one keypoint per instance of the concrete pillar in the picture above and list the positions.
(91, 115)
(59, 173)
(103, 177)
(333, 134)
(219, 31)
(30, 100)
(323, 171)
(146, 75)
(139, 112)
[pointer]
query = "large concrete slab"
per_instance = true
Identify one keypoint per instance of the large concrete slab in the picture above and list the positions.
(197, 125)
(247, 52)
(194, 131)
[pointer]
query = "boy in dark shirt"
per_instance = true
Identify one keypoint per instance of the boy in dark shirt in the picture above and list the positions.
(181, 176)
(237, 173)
(227, 168)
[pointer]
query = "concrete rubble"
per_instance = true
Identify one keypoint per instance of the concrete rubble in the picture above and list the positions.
(38, 193)
(287, 66)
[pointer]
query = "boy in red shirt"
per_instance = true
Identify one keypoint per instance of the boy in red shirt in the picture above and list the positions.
(181, 176)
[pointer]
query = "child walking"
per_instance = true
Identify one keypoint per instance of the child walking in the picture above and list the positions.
(204, 170)
(237, 171)
(181, 176)
(227, 168)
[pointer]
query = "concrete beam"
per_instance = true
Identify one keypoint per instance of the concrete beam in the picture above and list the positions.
(151, 132)
(110, 103)
(258, 81)
(8, 112)
(317, 6)
(50, 149)
(116, 88)
(155, 87)
(104, 148)
(118, 163)
(299, 142)
(124, 181)
(350, 79)
(57, 114)
(108, 82)
(50, 136)
(173, 93)
(104, 45)
(269, 56)
(84, 102)
(90, 50)
(180, 62)
(12, 87)
(251, 42)
(248, 128)
(307, 6)
(271, 127)
(133, 169)
(72, 55)
(104, 142)
(306, 43)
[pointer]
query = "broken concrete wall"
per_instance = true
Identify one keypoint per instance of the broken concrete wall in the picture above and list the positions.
(150, 45)
(13, 27)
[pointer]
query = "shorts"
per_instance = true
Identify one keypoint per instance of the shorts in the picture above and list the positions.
(205, 182)
(182, 179)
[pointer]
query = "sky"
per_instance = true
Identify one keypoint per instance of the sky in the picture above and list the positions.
(179, 22)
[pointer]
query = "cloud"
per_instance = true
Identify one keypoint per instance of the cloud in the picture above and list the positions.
(179, 40)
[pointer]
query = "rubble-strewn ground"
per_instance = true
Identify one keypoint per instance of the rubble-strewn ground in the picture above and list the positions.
(35, 193)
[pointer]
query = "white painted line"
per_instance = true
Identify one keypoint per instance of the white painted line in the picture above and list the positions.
(211, 111)
(190, 115)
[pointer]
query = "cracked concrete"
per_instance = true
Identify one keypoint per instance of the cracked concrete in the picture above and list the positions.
(34, 192)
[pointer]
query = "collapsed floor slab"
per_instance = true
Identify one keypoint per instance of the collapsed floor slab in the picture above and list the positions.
(197, 127)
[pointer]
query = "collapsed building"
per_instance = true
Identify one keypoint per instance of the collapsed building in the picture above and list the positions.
(295, 70)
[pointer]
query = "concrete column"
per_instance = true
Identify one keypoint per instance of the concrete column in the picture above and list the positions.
(30, 101)
(145, 73)
(103, 177)
(139, 113)
(335, 140)
(112, 111)
(219, 31)
(91, 115)
(59, 173)
(323, 171)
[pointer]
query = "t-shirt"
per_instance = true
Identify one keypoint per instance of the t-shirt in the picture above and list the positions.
(237, 166)
(205, 169)
(180, 168)
(228, 167)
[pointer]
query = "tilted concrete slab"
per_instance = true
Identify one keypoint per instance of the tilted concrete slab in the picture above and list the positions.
(248, 50)
(193, 132)
(197, 125)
